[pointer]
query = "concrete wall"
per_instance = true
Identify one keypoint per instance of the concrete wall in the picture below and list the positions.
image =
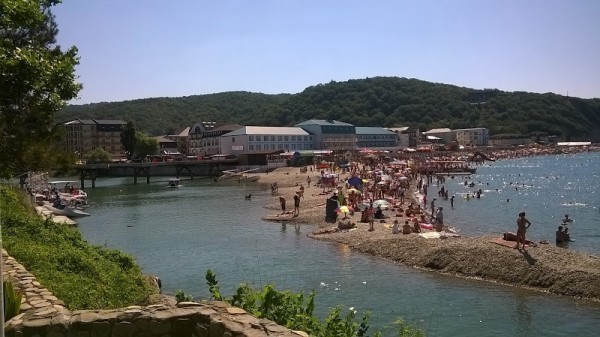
(43, 315)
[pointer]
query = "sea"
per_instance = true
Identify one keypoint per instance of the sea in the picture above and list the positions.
(180, 233)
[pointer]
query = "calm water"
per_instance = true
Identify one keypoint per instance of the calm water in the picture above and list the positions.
(180, 233)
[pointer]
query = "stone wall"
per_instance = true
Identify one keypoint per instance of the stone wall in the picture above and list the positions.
(43, 315)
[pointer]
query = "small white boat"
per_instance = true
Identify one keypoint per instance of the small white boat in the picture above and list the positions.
(174, 183)
(238, 176)
(66, 211)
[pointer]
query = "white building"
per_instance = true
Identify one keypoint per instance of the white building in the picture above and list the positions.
(250, 139)
(472, 137)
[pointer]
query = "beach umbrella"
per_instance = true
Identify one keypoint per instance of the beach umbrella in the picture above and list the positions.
(354, 181)
(343, 209)
(381, 183)
(386, 177)
(362, 206)
(403, 178)
(383, 203)
(365, 180)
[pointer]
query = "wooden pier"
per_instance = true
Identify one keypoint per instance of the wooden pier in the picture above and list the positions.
(192, 168)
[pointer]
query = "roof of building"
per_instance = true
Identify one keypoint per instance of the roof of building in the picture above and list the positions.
(110, 121)
(369, 130)
(163, 139)
(87, 121)
(323, 122)
(401, 129)
(470, 129)
(227, 127)
(440, 130)
(268, 130)
(185, 132)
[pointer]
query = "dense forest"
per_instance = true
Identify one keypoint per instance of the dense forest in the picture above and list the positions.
(379, 101)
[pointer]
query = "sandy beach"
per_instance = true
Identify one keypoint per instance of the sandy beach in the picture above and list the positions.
(544, 267)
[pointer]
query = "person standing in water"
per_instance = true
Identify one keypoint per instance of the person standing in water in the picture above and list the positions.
(522, 224)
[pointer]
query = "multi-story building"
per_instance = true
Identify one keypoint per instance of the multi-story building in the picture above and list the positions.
(250, 139)
(204, 137)
(472, 137)
(85, 135)
(376, 138)
(407, 136)
(330, 134)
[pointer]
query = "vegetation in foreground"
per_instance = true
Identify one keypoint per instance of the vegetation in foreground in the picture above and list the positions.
(80, 274)
(296, 311)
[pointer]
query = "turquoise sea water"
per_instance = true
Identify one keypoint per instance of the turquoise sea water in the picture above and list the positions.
(180, 233)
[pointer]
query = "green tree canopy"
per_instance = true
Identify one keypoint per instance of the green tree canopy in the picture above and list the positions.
(36, 77)
(128, 139)
(145, 145)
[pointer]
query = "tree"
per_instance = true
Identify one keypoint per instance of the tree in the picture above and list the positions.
(128, 139)
(145, 145)
(98, 155)
(36, 77)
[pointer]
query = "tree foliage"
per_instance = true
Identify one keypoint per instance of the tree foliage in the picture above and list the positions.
(144, 145)
(36, 78)
(128, 139)
(98, 155)
(380, 101)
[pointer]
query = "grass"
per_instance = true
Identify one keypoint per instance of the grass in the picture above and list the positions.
(80, 274)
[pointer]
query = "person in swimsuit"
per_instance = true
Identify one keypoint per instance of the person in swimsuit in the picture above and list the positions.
(522, 224)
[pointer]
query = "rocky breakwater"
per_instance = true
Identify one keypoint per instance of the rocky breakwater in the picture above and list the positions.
(42, 314)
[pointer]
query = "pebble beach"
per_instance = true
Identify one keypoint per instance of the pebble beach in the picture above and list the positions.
(543, 267)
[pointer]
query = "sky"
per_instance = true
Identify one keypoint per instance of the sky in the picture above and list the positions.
(132, 49)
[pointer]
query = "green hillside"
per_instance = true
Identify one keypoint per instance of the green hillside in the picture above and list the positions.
(380, 101)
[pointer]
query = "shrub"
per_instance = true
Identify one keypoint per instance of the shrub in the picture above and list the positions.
(82, 275)
(12, 300)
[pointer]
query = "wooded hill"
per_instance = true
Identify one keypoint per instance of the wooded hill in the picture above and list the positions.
(379, 101)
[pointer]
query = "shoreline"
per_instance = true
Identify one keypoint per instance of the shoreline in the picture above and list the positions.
(545, 268)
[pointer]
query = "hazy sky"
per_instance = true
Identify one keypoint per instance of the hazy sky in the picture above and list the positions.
(152, 48)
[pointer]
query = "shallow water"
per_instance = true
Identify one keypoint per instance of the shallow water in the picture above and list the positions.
(180, 233)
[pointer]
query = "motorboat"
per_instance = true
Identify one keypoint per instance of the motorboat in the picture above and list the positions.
(174, 183)
(238, 176)
(62, 209)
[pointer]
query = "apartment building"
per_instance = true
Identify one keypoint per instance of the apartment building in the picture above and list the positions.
(85, 135)
(330, 134)
(204, 137)
(444, 134)
(250, 139)
(472, 137)
(376, 138)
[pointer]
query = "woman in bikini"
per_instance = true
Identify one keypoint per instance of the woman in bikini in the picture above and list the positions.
(522, 224)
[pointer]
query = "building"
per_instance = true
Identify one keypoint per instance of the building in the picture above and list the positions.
(444, 134)
(166, 145)
(510, 139)
(407, 136)
(472, 137)
(376, 138)
(85, 135)
(204, 137)
(181, 140)
(250, 139)
(330, 134)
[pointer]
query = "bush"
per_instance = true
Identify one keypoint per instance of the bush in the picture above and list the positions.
(82, 275)
(12, 300)
(296, 311)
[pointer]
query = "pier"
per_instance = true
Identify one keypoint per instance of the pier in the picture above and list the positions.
(191, 168)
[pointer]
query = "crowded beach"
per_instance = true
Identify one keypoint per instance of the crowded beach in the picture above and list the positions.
(378, 205)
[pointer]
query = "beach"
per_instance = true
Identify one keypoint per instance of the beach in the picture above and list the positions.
(543, 267)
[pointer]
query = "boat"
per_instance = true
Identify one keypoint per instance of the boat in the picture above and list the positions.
(238, 176)
(446, 167)
(174, 183)
(62, 209)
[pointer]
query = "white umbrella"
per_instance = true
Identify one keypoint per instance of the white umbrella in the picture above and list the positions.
(383, 203)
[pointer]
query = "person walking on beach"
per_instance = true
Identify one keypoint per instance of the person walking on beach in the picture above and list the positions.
(371, 217)
(296, 205)
(522, 224)
(308, 181)
(282, 202)
(433, 206)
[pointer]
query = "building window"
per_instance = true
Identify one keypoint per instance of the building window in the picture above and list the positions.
(279, 146)
(279, 138)
(272, 138)
(286, 138)
(250, 138)
(272, 146)
(305, 138)
(251, 147)
(287, 146)
(233, 139)
(293, 138)
(266, 138)
(258, 147)
(292, 146)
